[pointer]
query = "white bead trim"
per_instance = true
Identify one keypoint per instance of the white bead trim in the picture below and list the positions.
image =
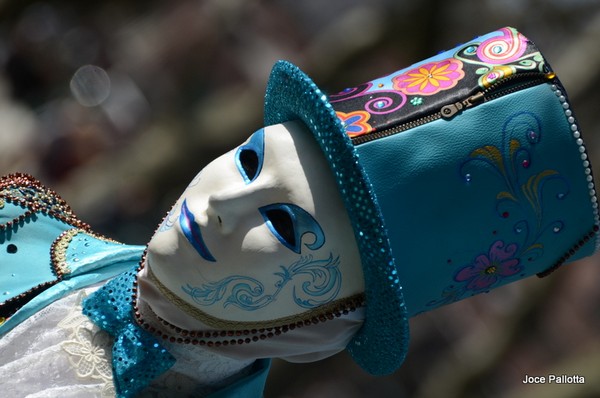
(586, 164)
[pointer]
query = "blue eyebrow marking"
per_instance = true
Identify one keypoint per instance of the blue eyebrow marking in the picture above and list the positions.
(192, 232)
(298, 219)
(250, 156)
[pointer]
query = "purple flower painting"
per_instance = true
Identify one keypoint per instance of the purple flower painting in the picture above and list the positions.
(487, 269)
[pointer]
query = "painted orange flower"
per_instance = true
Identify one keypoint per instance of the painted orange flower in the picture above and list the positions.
(430, 78)
(355, 123)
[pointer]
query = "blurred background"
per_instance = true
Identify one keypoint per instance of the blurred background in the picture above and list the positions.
(118, 104)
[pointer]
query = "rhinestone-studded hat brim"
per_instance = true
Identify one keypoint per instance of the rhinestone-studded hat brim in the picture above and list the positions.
(381, 344)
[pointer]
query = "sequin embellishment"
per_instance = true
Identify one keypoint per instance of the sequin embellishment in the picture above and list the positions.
(138, 357)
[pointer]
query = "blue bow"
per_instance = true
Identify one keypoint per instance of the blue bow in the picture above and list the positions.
(138, 358)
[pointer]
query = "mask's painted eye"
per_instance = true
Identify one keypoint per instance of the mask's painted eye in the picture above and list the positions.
(281, 225)
(288, 223)
(12, 248)
(249, 157)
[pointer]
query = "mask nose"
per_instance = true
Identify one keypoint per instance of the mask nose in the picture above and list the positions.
(228, 208)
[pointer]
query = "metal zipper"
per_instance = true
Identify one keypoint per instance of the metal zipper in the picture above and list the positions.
(496, 90)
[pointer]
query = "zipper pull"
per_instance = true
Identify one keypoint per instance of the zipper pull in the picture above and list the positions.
(448, 111)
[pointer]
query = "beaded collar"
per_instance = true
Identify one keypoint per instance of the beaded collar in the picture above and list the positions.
(23, 202)
(42, 244)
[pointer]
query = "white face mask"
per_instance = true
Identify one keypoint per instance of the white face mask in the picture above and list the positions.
(260, 234)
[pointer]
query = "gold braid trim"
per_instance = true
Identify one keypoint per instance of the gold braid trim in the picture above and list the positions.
(58, 250)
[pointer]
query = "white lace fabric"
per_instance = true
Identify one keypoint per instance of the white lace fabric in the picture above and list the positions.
(59, 352)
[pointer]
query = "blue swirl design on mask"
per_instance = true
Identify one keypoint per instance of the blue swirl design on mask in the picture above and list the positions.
(192, 232)
(302, 222)
(314, 283)
(169, 220)
(255, 148)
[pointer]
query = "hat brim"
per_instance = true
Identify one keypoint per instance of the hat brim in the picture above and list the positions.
(381, 344)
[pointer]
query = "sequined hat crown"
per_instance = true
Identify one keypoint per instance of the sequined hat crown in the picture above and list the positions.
(461, 173)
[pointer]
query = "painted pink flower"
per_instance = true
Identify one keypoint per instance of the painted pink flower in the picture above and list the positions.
(487, 270)
(430, 78)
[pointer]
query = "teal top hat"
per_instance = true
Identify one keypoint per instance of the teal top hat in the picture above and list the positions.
(46, 251)
(461, 173)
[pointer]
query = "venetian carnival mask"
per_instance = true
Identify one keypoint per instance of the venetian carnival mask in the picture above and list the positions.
(260, 234)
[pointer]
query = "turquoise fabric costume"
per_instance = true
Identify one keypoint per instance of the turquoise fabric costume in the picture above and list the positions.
(461, 173)
(47, 251)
